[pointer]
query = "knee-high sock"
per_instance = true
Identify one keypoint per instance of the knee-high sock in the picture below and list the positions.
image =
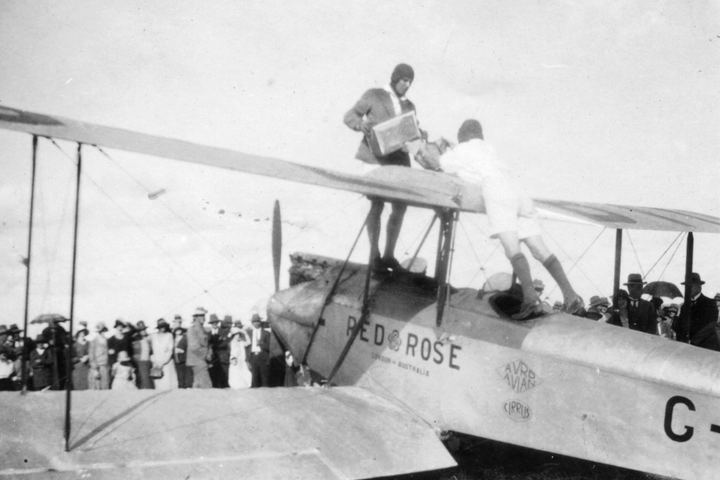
(555, 268)
(521, 267)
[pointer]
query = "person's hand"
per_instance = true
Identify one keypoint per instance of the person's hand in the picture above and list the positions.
(365, 128)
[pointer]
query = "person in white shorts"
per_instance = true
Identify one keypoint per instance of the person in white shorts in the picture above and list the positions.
(511, 213)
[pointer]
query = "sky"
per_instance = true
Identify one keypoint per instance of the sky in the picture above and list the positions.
(611, 102)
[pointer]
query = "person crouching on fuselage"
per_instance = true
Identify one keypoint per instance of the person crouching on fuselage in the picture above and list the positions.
(512, 215)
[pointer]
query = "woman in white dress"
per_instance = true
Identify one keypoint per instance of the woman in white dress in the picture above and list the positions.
(162, 345)
(239, 375)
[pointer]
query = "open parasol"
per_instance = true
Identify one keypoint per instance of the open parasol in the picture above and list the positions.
(662, 289)
(48, 317)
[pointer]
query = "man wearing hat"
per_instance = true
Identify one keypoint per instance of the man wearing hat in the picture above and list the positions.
(222, 351)
(259, 353)
(184, 373)
(141, 356)
(697, 322)
(641, 313)
(198, 352)
(511, 214)
(98, 357)
(376, 106)
(218, 346)
(57, 338)
(176, 323)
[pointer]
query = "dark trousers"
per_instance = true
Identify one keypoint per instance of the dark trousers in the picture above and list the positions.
(6, 385)
(144, 378)
(260, 365)
(219, 374)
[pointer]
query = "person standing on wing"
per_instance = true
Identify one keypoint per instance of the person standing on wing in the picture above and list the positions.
(376, 106)
(511, 213)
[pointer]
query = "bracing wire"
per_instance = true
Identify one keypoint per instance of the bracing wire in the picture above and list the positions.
(663, 254)
(189, 275)
(487, 260)
(225, 278)
(52, 257)
(636, 255)
(673, 255)
(576, 261)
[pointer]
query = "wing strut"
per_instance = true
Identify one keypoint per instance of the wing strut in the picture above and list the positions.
(363, 315)
(69, 368)
(446, 241)
(24, 353)
(330, 295)
(685, 319)
(616, 278)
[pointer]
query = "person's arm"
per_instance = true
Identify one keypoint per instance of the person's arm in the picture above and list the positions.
(355, 117)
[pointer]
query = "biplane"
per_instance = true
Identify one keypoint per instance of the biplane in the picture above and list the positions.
(405, 357)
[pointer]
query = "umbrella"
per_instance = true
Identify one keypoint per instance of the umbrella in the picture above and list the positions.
(48, 317)
(662, 289)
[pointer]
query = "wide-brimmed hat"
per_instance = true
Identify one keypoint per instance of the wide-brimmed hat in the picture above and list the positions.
(213, 318)
(141, 325)
(3, 329)
(596, 301)
(226, 321)
(256, 318)
(635, 279)
(100, 327)
(82, 331)
(674, 307)
(14, 328)
(41, 339)
(119, 323)
(199, 312)
(161, 323)
(695, 280)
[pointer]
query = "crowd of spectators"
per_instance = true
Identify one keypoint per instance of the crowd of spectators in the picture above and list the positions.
(695, 323)
(219, 354)
(225, 354)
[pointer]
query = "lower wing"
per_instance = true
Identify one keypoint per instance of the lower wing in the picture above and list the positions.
(343, 432)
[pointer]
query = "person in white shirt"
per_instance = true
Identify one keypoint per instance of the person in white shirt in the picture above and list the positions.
(511, 213)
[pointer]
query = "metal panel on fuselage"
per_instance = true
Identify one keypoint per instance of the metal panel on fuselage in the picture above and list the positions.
(461, 377)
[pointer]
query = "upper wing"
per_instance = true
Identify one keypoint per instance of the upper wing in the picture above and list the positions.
(92, 134)
(313, 433)
(412, 186)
